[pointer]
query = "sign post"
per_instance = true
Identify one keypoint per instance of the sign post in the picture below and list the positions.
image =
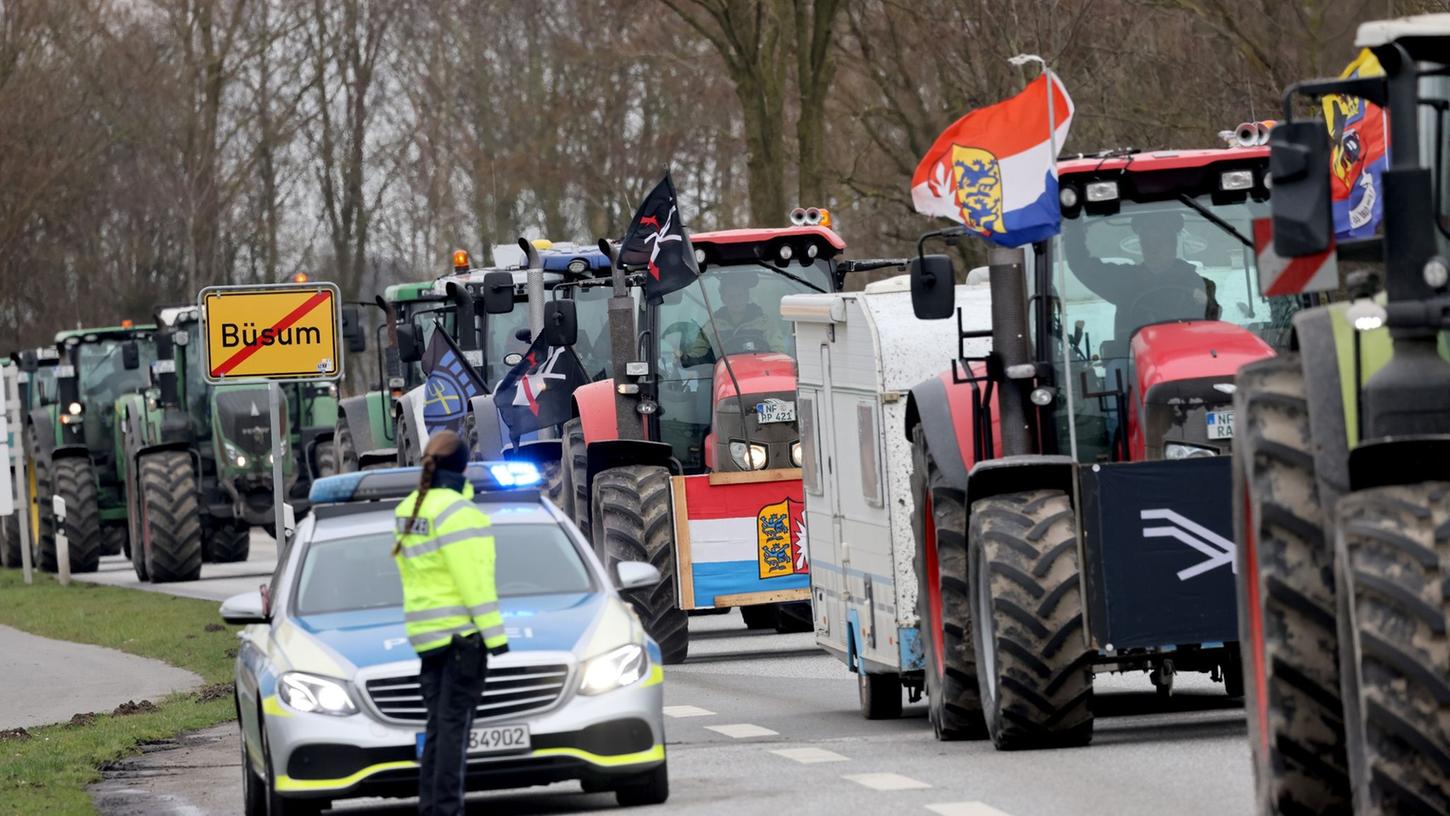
(276, 333)
(11, 396)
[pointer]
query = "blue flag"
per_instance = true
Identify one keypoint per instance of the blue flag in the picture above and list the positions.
(451, 383)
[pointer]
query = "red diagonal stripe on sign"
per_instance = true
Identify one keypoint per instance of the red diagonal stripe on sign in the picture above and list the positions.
(285, 323)
(1296, 275)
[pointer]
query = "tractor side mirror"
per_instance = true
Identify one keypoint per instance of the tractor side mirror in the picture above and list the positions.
(354, 334)
(523, 335)
(29, 361)
(498, 292)
(1299, 166)
(561, 323)
(130, 355)
(933, 292)
(408, 350)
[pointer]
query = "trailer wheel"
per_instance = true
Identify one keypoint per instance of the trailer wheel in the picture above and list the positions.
(758, 616)
(575, 462)
(230, 543)
(10, 547)
(1393, 545)
(880, 695)
(170, 520)
(113, 539)
(1286, 598)
(938, 521)
(1034, 671)
(75, 482)
(794, 617)
(325, 455)
(632, 522)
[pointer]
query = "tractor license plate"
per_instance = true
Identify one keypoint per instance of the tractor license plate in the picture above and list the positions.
(774, 410)
(1220, 424)
(499, 739)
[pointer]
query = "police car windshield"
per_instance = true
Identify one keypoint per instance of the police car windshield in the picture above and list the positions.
(347, 574)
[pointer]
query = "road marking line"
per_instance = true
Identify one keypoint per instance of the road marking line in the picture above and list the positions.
(687, 711)
(965, 809)
(742, 730)
(886, 781)
(809, 756)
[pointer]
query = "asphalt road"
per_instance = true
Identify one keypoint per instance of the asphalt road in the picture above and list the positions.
(760, 723)
(218, 581)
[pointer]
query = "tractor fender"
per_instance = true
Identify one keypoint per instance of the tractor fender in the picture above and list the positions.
(1401, 460)
(409, 413)
(489, 433)
(353, 412)
(40, 419)
(594, 404)
(1014, 474)
(1326, 355)
(928, 405)
(538, 451)
(607, 453)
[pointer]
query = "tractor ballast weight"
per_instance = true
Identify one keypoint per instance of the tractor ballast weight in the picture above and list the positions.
(1342, 471)
(1052, 468)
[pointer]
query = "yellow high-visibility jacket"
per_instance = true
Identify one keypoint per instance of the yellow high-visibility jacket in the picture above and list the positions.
(447, 563)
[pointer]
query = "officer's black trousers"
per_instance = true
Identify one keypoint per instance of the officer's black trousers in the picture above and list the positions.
(452, 683)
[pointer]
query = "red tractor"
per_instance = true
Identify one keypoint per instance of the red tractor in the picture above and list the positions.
(689, 458)
(1073, 485)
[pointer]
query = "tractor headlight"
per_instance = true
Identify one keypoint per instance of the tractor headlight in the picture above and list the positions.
(74, 409)
(748, 457)
(614, 669)
(795, 454)
(311, 694)
(241, 461)
(1179, 450)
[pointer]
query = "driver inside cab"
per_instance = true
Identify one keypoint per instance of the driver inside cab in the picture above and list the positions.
(742, 324)
(1163, 287)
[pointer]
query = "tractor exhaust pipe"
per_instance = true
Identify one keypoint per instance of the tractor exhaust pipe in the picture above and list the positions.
(1009, 343)
(465, 320)
(623, 345)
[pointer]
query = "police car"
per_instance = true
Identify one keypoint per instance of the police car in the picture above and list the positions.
(327, 686)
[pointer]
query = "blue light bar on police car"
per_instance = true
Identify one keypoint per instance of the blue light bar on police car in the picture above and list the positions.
(395, 483)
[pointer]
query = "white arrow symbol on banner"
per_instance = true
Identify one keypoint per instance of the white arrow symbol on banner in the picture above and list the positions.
(1220, 551)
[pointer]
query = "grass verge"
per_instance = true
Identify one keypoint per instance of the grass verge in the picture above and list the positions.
(47, 771)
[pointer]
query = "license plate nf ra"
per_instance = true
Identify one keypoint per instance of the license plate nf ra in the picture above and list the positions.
(1220, 424)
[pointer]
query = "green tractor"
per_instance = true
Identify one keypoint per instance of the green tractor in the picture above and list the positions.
(1342, 459)
(36, 387)
(72, 446)
(198, 459)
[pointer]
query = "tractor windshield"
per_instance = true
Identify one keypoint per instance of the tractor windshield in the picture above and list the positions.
(744, 300)
(42, 386)
(103, 378)
(1151, 262)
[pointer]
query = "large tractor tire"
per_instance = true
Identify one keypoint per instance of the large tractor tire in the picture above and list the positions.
(954, 704)
(632, 523)
(325, 457)
(575, 465)
(1034, 671)
(10, 544)
(113, 539)
(551, 477)
(347, 461)
(1393, 545)
(73, 480)
(229, 543)
(1286, 598)
(170, 519)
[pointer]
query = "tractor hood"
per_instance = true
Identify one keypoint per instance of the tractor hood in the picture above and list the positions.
(758, 373)
(767, 386)
(1194, 350)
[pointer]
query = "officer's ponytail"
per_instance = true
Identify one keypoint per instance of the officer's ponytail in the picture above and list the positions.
(440, 446)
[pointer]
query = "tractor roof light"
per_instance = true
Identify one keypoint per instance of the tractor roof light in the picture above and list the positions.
(1067, 197)
(1436, 273)
(812, 251)
(578, 265)
(461, 261)
(300, 277)
(1365, 315)
(128, 323)
(785, 252)
(1236, 180)
(1100, 191)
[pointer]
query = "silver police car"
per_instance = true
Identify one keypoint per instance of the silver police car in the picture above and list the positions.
(327, 686)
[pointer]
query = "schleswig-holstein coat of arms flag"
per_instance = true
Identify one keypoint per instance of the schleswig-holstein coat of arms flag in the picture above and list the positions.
(995, 170)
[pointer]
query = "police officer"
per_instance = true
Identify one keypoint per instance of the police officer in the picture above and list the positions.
(450, 606)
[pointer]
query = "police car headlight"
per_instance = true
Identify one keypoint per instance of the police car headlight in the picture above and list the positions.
(748, 457)
(1178, 450)
(311, 694)
(615, 669)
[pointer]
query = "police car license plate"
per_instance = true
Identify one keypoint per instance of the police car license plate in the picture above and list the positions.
(1220, 424)
(499, 739)
(774, 410)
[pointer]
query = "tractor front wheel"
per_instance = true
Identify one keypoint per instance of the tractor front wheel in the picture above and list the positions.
(325, 457)
(632, 523)
(113, 539)
(1035, 673)
(1392, 548)
(939, 524)
(1286, 598)
(347, 461)
(74, 481)
(575, 467)
(230, 543)
(170, 521)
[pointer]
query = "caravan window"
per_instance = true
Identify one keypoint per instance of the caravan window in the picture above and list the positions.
(810, 466)
(868, 439)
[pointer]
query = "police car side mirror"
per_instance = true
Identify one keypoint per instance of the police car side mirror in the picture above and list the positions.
(933, 282)
(1299, 166)
(561, 323)
(243, 609)
(636, 574)
(498, 292)
(408, 350)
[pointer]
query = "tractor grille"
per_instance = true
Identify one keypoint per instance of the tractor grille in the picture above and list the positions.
(245, 420)
(507, 692)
